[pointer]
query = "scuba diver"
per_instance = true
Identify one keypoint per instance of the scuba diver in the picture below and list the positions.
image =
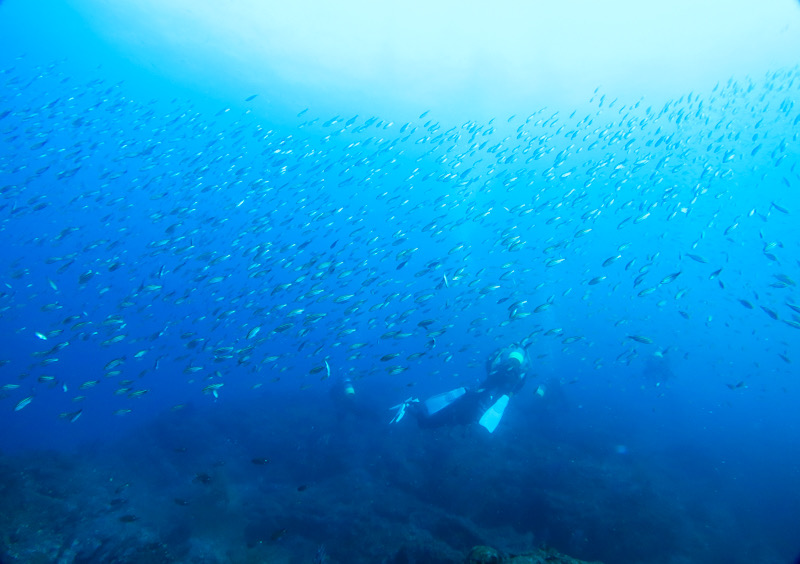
(657, 369)
(347, 405)
(343, 394)
(506, 369)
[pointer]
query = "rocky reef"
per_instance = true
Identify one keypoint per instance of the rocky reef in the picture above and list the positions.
(312, 486)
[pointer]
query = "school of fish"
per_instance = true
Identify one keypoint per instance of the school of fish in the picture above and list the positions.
(152, 241)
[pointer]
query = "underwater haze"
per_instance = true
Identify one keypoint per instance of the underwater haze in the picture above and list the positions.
(236, 236)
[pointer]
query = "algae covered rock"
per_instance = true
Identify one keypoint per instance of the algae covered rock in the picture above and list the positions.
(488, 555)
(483, 555)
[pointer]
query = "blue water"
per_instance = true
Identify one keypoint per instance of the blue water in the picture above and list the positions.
(239, 254)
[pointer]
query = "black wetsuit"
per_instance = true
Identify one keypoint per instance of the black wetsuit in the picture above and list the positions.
(505, 376)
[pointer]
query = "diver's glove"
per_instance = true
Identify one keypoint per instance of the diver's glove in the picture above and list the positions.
(401, 409)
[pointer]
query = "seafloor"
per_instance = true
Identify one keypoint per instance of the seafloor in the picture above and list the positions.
(256, 482)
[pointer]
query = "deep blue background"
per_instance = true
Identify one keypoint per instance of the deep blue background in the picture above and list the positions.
(725, 416)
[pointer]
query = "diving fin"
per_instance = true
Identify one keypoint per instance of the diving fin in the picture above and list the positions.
(401, 409)
(438, 402)
(494, 414)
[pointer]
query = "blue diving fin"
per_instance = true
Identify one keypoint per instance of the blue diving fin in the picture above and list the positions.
(402, 408)
(494, 414)
(440, 401)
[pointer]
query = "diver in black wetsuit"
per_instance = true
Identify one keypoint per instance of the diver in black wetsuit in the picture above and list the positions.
(506, 370)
